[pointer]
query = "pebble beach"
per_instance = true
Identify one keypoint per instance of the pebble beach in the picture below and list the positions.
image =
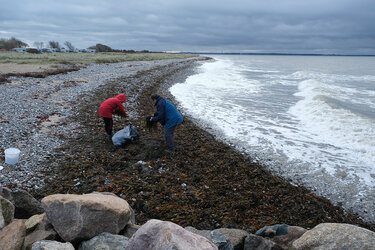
(33, 113)
(206, 184)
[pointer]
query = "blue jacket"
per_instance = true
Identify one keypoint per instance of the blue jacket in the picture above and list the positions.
(166, 113)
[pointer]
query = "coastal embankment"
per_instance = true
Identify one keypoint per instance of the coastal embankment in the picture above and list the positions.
(206, 184)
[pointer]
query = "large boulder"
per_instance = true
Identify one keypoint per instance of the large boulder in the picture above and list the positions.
(81, 217)
(282, 234)
(105, 241)
(6, 212)
(336, 236)
(13, 235)
(50, 244)
(156, 234)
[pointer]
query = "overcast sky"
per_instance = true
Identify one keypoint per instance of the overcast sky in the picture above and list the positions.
(296, 26)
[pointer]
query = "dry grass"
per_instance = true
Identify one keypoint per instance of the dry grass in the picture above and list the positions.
(83, 58)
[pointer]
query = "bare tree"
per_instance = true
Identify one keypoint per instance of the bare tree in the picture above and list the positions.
(39, 45)
(101, 48)
(69, 45)
(54, 44)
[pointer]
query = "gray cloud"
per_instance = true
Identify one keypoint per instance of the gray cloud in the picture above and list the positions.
(335, 26)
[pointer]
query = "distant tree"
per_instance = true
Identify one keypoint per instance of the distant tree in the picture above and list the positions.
(101, 48)
(12, 43)
(33, 51)
(54, 45)
(39, 45)
(69, 45)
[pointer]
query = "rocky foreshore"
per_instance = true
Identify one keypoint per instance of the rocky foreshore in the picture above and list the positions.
(206, 186)
(105, 221)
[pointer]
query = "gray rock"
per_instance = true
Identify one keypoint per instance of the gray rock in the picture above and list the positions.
(156, 234)
(236, 236)
(38, 235)
(25, 205)
(285, 241)
(33, 222)
(274, 230)
(50, 244)
(7, 194)
(282, 234)
(336, 236)
(255, 242)
(204, 233)
(105, 241)
(6, 212)
(221, 241)
(132, 216)
(81, 217)
(130, 229)
(44, 224)
(216, 237)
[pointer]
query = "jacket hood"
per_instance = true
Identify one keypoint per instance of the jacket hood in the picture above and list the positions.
(158, 100)
(121, 97)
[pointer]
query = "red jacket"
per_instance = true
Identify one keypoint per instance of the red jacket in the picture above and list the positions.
(108, 106)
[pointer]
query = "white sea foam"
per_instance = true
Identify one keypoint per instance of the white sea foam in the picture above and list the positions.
(305, 123)
(351, 135)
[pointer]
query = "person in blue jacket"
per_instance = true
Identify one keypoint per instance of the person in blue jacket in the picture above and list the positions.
(167, 114)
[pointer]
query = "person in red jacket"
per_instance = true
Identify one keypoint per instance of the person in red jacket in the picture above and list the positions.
(110, 107)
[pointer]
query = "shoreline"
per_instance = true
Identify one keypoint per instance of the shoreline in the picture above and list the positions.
(222, 186)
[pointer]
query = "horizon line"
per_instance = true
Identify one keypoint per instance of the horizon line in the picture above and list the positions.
(272, 53)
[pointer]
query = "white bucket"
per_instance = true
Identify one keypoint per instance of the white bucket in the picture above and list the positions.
(12, 155)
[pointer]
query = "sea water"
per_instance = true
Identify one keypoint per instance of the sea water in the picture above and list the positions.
(310, 119)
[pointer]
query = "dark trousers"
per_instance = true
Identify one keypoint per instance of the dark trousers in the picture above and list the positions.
(108, 125)
(169, 137)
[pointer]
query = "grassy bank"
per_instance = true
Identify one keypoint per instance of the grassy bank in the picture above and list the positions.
(83, 58)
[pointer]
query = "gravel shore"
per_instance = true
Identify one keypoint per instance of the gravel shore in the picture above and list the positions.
(34, 111)
(206, 184)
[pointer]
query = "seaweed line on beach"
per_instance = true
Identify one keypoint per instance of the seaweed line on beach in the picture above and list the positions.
(4, 78)
(205, 184)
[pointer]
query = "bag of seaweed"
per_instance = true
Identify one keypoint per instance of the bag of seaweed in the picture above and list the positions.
(125, 135)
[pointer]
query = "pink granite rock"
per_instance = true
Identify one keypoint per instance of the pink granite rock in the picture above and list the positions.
(81, 217)
(156, 234)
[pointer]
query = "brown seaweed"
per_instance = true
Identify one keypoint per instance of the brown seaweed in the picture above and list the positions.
(206, 183)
